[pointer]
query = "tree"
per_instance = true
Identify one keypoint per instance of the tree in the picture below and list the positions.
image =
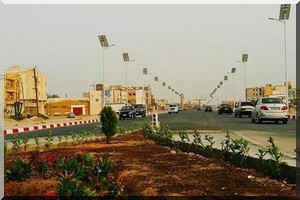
(109, 120)
(52, 96)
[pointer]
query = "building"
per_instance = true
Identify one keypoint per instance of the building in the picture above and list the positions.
(136, 95)
(20, 86)
(268, 91)
(118, 94)
(11, 92)
(254, 93)
(162, 104)
(63, 106)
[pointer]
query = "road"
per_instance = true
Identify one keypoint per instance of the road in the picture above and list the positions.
(284, 134)
(187, 120)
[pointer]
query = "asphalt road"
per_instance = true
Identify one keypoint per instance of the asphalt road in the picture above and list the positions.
(186, 120)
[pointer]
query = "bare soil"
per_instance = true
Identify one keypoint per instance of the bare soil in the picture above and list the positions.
(150, 169)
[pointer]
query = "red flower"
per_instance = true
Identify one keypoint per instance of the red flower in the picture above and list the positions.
(51, 193)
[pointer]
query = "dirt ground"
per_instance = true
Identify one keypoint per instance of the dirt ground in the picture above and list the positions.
(149, 169)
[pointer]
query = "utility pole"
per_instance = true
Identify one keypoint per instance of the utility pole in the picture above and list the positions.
(36, 91)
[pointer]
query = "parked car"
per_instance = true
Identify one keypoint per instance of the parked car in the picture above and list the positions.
(140, 109)
(70, 115)
(269, 109)
(173, 108)
(243, 108)
(208, 109)
(225, 108)
(127, 112)
(180, 108)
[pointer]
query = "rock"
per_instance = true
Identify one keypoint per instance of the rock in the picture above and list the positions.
(173, 152)
(250, 177)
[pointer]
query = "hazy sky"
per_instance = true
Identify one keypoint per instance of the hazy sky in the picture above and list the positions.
(190, 47)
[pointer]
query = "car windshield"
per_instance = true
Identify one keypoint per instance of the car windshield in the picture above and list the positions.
(271, 100)
(138, 106)
(172, 106)
(246, 104)
(225, 105)
(126, 108)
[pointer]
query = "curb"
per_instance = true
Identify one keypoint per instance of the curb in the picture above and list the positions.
(294, 117)
(41, 127)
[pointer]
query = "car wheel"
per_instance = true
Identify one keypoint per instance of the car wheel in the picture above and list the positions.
(169, 113)
(252, 120)
(235, 115)
(284, 121)
(259, 121)
(240, 115)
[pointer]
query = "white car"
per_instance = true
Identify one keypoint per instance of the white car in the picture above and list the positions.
(243, 108)
(269, 109)
(173, 108)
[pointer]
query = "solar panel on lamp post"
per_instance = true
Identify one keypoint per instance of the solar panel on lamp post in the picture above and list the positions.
(283, 16)
(104, 44)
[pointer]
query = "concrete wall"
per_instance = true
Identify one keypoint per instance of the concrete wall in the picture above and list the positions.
(95, 98)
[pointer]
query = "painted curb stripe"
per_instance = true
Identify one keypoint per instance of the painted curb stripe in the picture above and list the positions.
(47, 126)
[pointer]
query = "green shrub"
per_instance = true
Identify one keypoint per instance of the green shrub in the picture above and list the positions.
(109, 120)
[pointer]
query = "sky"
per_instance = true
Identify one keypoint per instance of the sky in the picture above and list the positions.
(190, 47)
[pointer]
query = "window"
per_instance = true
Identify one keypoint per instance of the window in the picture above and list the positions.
(271, 100)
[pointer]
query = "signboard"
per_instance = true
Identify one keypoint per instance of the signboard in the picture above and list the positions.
(164, 84)
(244, 57)
(169, 87)
(221, 83)
(107, 96)
(225, 78)
(218, 86)
(145, 71)
(156, 78)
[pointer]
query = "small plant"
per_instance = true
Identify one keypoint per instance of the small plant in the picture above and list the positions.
(16, 143)
(102, 168)
(209, 138)
(148, 129)
(225, 148)
(49, 139)
(184, 136)
(37, 141)
(66, 136)
(197, 138)
(20, 170)
(25, 141)
(121, 130)
(73, 136)
(273, 165)
(165, 135)
(59, 140)
(109, 120)
(239, 148)
(72, 187)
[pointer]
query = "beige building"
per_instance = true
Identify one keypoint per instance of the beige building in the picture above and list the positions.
(254, 93)
(22, 81)
(63, 106)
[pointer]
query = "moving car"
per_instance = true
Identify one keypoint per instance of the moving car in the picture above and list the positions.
(71, 115)
(208, 109)
(225, 108)
(243, 108)
(269, 109)
(173, 108)
(140, 109)
(127, 112)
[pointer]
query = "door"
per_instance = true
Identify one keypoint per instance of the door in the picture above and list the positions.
(77, 111)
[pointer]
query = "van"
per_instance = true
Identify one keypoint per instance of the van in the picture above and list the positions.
(173, 108)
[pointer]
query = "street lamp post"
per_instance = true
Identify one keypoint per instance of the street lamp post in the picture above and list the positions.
(233, 70)
(283, 16)
(104, 45)
(126, 60)
(244, 60)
